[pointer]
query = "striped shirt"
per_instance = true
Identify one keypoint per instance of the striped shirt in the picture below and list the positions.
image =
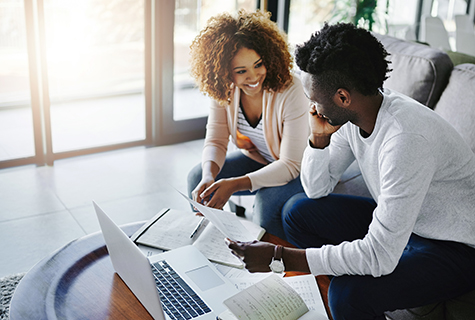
(255, 134)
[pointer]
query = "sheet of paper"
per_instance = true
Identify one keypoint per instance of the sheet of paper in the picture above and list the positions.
(245, 282)
(234, 273)
(271, 298)
(171, 231)
(149, 251)
(211, 244)
(227, 222)
(305, 285)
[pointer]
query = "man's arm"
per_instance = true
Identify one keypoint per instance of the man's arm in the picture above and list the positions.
(257, 256)
(319, 141)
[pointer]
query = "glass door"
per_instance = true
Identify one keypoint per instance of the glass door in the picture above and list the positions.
(95, 72)
(307, 17)
(190, 17)
(187, 108)
(16, 121)
(80, 77)
(447, 10)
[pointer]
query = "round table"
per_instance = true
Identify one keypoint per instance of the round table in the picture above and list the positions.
(78, 282)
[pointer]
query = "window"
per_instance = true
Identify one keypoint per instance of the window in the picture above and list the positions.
(94, 54)
(306, 17)
(190, 17)
(16, 122)
(87, 76)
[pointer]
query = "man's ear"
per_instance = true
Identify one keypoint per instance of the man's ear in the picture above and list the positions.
(342, 98)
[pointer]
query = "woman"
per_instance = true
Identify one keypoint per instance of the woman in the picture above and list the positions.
(244, 65)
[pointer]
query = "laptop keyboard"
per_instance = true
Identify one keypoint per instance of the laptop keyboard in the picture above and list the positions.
(179, 301)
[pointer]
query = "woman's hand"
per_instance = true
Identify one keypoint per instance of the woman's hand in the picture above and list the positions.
(196, 193)
(256, 255)
(209, 171)
(244, 142)
(223, 189)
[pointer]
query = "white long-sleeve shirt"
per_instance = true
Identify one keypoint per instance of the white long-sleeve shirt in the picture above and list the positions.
(418, 169)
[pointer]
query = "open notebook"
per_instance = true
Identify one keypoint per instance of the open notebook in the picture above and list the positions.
(171, 229)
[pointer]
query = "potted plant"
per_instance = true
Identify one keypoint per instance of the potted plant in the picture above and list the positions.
(368, 14)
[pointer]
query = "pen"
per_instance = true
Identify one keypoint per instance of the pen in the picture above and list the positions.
(197, 227)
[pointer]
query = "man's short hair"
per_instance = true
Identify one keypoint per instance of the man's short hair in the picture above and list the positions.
(344, 56)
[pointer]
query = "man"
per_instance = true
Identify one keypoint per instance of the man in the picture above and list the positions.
(413, 243)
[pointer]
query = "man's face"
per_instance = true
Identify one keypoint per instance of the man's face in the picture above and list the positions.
(325, 106)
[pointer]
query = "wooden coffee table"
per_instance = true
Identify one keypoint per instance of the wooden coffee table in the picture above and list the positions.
(79, 282)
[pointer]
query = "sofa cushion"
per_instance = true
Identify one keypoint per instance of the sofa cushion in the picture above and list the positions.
(419, 71)
(461, 308)
(456, 103)
(460, 58)
(352, 182)
(429, 312)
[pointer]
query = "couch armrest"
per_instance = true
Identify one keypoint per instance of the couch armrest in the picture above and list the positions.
(419, 71)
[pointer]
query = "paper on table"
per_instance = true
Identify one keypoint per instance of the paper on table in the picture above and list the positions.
(226, 222)
(305, 285)
(172, 230)
(234, 273)
(271, 298)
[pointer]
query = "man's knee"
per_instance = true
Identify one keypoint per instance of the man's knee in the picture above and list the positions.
(295, 211)
(294, 217)
(341, 295)
(353, 297)
(293, 205)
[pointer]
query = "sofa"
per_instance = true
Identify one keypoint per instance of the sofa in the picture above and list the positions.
(429, 76)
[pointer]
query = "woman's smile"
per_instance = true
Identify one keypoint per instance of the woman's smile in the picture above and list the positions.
(248, 71)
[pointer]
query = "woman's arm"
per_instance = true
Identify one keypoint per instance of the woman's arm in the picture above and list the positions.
(217, 136)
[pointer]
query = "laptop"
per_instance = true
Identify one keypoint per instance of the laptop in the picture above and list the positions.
(163, 281)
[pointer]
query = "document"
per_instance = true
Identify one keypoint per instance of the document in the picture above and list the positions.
(229, 225)
(171, 229)
(277, 298)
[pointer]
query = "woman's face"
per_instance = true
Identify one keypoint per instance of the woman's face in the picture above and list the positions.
(248, 71)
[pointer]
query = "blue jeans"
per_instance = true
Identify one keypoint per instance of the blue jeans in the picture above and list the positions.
(429, 271)
(268, 202)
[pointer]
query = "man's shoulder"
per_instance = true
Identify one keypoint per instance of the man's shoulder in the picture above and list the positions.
(406, 111)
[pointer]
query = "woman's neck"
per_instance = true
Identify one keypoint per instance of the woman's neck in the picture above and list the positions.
(252, 107)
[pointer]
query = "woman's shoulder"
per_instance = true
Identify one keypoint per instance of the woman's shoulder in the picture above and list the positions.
(293, 84)
(292, 89)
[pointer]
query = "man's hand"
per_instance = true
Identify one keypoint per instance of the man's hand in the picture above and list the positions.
(320, 129)
(256, 255)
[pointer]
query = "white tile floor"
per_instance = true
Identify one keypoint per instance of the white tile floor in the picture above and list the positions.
(44, 208)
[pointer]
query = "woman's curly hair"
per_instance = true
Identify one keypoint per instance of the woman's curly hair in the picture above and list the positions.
(214, 48)
(344, 56)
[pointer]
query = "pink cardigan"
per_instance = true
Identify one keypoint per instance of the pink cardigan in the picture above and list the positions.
(285, 127)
